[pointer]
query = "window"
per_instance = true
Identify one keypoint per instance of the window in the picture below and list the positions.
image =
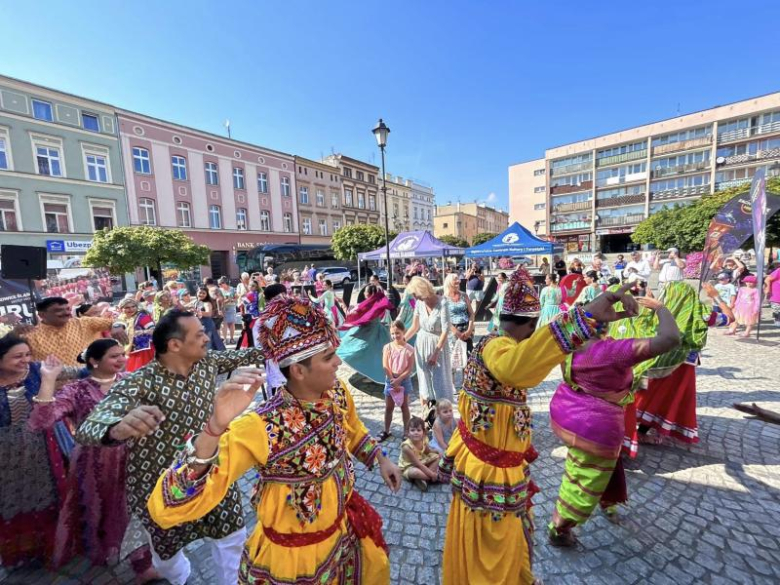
(371, 179)
(241, 221)
(539, 206)
(445, 226)
(539, 189)
(179, 164)
(372, 202)
(265, 221)
(361, 200)
(622, 149)
(183, 215)
(262, 182)
(348, 197)
(97, 167)
(323, 227)
(305, 195)
(347, 172)
(336, 225)
(42, 110)
(102, 216)
(8, 215)
(212, 174)
(538, 172)
(215, 217)
(334, 200)
(286, 187)
(48, 159)
(55, 215)
(90, 122)
(305, 226)
(141, 162)
(288, 223)
(148, 212)
(238, 178)
(360, 176)
(5, 150)
(320, 198)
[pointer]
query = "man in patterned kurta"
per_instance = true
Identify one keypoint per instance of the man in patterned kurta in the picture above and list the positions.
(156, 407)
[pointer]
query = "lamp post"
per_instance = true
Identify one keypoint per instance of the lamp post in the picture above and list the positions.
(380, 133)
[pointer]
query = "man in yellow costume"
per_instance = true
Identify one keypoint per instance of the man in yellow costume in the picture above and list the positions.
(312, 526)
(489, 528)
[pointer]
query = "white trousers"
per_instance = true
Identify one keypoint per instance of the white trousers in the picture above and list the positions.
(225, 553)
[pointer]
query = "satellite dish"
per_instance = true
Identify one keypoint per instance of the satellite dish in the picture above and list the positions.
(720, 160)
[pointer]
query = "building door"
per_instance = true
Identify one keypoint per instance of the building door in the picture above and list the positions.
(219, 264)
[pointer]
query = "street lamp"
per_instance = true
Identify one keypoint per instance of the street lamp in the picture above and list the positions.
(380, 133)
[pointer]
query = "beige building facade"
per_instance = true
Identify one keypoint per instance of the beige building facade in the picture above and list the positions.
(359, 189)
(320, 211)
(598, 190)
(466, 220)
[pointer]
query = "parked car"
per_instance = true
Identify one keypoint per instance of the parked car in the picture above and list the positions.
(338, 275)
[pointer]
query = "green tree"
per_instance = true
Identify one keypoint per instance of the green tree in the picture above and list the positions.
(349, 241)
(482, 238)
(454, 241)
(124, 249)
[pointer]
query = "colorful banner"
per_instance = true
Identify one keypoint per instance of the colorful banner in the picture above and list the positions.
(15, 298)
(731, 227)
(758, 205)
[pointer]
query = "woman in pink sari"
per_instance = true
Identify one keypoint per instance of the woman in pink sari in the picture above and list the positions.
(586, 413)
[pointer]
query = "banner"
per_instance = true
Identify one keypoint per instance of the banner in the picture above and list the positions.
(731, 227)
(15, 298)
(758, 204)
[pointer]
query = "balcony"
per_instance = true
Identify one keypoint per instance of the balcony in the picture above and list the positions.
(621, 158)
(680, 193)
(621, 201)
(684, 145)
(569, 169)
(611, 181)
(629, 219)
(743, 133)
(562, 189)
(571, 226)
(723, 185)
(575, 206)
(680, 169)
(739, 159)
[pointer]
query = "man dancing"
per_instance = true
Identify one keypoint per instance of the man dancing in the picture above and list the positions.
(312, 526)
(488, 539)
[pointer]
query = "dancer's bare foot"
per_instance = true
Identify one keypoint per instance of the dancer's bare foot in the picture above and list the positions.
(646, 439)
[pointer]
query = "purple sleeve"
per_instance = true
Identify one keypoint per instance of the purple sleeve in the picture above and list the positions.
(45, 415)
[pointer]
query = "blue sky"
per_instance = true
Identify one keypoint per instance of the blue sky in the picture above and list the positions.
(467, 88)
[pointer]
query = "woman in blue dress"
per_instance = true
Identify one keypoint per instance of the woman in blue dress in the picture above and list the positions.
(550, 298)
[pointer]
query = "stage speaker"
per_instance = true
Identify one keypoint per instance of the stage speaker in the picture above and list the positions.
(23, 262)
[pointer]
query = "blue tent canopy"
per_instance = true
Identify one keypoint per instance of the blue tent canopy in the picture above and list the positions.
(514, 241)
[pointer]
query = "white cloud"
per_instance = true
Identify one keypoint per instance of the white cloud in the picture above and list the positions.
(491, 198)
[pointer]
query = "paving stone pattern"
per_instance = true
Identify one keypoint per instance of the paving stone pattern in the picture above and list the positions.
(708, 513)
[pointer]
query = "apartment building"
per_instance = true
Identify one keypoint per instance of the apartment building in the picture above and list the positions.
(358, 188)
(423, 206)
(466, 220)
(225, 194)
(61, 176)
(596, 191)
(320, 211)
(399, 203)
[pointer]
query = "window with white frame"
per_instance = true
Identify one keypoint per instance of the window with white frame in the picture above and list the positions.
(334, 200)
(183, 215)
(5, 150)
(56, 214)
(148, 213)
(323, 227)
(241, 219)
(336, 225)
(305, 195)
(238, 178)
(141, 162)
(262, 182)
(361, 200)
(212, 174)
(96, 165)
(179, 166)
(102, 215)
(42, 110)
(9, 213)
(320, 198)
(372, 202)
(288, 223)
(286, 187)
(306, 226)
(215, 217)
(48, 156)
(90, 122)
(265, 221)
(348, 197)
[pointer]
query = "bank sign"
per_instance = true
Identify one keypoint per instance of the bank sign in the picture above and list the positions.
(66, 246)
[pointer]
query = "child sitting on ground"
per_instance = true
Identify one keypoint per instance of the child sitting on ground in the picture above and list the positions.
(418, 463)
(398, 362)
(443, 426)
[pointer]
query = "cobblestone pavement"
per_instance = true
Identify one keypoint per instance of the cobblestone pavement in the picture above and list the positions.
(708, 513)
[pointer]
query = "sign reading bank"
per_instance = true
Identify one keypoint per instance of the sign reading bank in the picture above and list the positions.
(68, 246)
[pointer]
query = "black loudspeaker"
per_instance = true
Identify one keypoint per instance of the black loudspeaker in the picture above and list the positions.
(23, 262)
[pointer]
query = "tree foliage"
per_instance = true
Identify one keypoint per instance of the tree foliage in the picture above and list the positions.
(124, 249)
(454, 241)
(482, 238)
(351, 240)
(686, 227)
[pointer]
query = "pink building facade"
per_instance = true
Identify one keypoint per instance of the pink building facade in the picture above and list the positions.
(225, 194)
